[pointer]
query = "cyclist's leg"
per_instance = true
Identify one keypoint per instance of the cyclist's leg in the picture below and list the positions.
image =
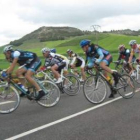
(105, 65)
(66, 67)
(31, 69)
(57, 70)
(19, 74)
(82, 67)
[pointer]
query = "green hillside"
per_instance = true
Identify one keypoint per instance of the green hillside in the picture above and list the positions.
(107, 41)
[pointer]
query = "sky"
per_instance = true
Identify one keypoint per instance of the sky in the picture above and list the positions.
(20, 17)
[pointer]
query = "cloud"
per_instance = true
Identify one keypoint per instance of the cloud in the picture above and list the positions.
(19, 17)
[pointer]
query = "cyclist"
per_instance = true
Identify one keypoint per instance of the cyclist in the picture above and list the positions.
(55, 62)
(29, 62)
(77, 61)
(135, 48)
(64, 57)
(98, 55)
(125, 54)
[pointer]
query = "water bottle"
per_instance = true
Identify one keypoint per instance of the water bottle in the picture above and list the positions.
(23, 87)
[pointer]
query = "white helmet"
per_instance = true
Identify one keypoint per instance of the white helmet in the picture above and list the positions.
(45, 50)
(8, 48)
(132, 42)
(69, 51)
(121, 46)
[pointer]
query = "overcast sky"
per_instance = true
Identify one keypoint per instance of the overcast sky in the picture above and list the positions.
(20, 17)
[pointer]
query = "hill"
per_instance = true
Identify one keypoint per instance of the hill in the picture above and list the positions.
(105, 40)
(50, 34)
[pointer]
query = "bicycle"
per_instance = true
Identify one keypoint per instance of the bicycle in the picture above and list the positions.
(70, 83)
(122, 68)
(95, 87)
(10, 99)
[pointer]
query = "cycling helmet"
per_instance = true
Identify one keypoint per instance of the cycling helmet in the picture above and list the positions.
(84, 43)
(45, 50)
(121, 46)
(8, 48)
(53, 50)
(132, 42)
(69, 51)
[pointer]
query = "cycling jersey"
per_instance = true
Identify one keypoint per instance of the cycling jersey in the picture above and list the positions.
(77, 60)
(53, 59)
(98, 53)
(66, 60)
(124, 55)
(24, 57)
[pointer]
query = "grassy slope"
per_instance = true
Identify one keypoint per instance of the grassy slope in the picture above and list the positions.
(107, 41)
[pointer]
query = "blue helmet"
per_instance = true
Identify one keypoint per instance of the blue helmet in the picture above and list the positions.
(53, 50)
(84, 43)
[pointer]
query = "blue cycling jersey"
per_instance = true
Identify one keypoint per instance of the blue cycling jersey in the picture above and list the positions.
(97, 52)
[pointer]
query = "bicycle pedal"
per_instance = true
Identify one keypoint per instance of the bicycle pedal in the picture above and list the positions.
(29, 97)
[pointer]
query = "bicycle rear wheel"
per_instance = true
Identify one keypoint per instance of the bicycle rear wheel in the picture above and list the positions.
(95, 89)
(9, 99)
(52, 96)
(126, 86)
(71, 85)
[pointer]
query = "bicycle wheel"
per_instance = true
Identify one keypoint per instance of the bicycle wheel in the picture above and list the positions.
(137, 77)
(9, 99)
(95, 89)
(52, 96)
(71, 85)
(125, 86)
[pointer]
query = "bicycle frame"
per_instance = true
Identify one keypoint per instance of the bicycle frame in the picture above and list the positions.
(99, 73)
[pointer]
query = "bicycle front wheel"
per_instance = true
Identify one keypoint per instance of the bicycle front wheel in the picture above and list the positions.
(95, 89)
(52, 96)
(126, 86)
(71, 85)
(9, 99)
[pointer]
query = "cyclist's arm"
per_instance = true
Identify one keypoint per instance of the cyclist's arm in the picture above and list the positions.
(131, 56)
(73, 61)
(101, 55)
(12, 66)
(119, 58)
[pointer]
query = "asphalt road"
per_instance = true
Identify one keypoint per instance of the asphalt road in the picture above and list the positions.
(74, 118)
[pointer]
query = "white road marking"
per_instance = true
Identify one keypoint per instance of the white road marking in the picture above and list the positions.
(63, 119)
(6, 102)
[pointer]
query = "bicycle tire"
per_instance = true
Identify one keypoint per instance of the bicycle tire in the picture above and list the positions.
(126, 86)
(71, 85)
(9, 99)
(93, 93)
(137, 77)
(52, 96)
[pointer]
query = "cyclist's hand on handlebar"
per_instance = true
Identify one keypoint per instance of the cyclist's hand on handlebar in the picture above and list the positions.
(97, 61)
(4, 74)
